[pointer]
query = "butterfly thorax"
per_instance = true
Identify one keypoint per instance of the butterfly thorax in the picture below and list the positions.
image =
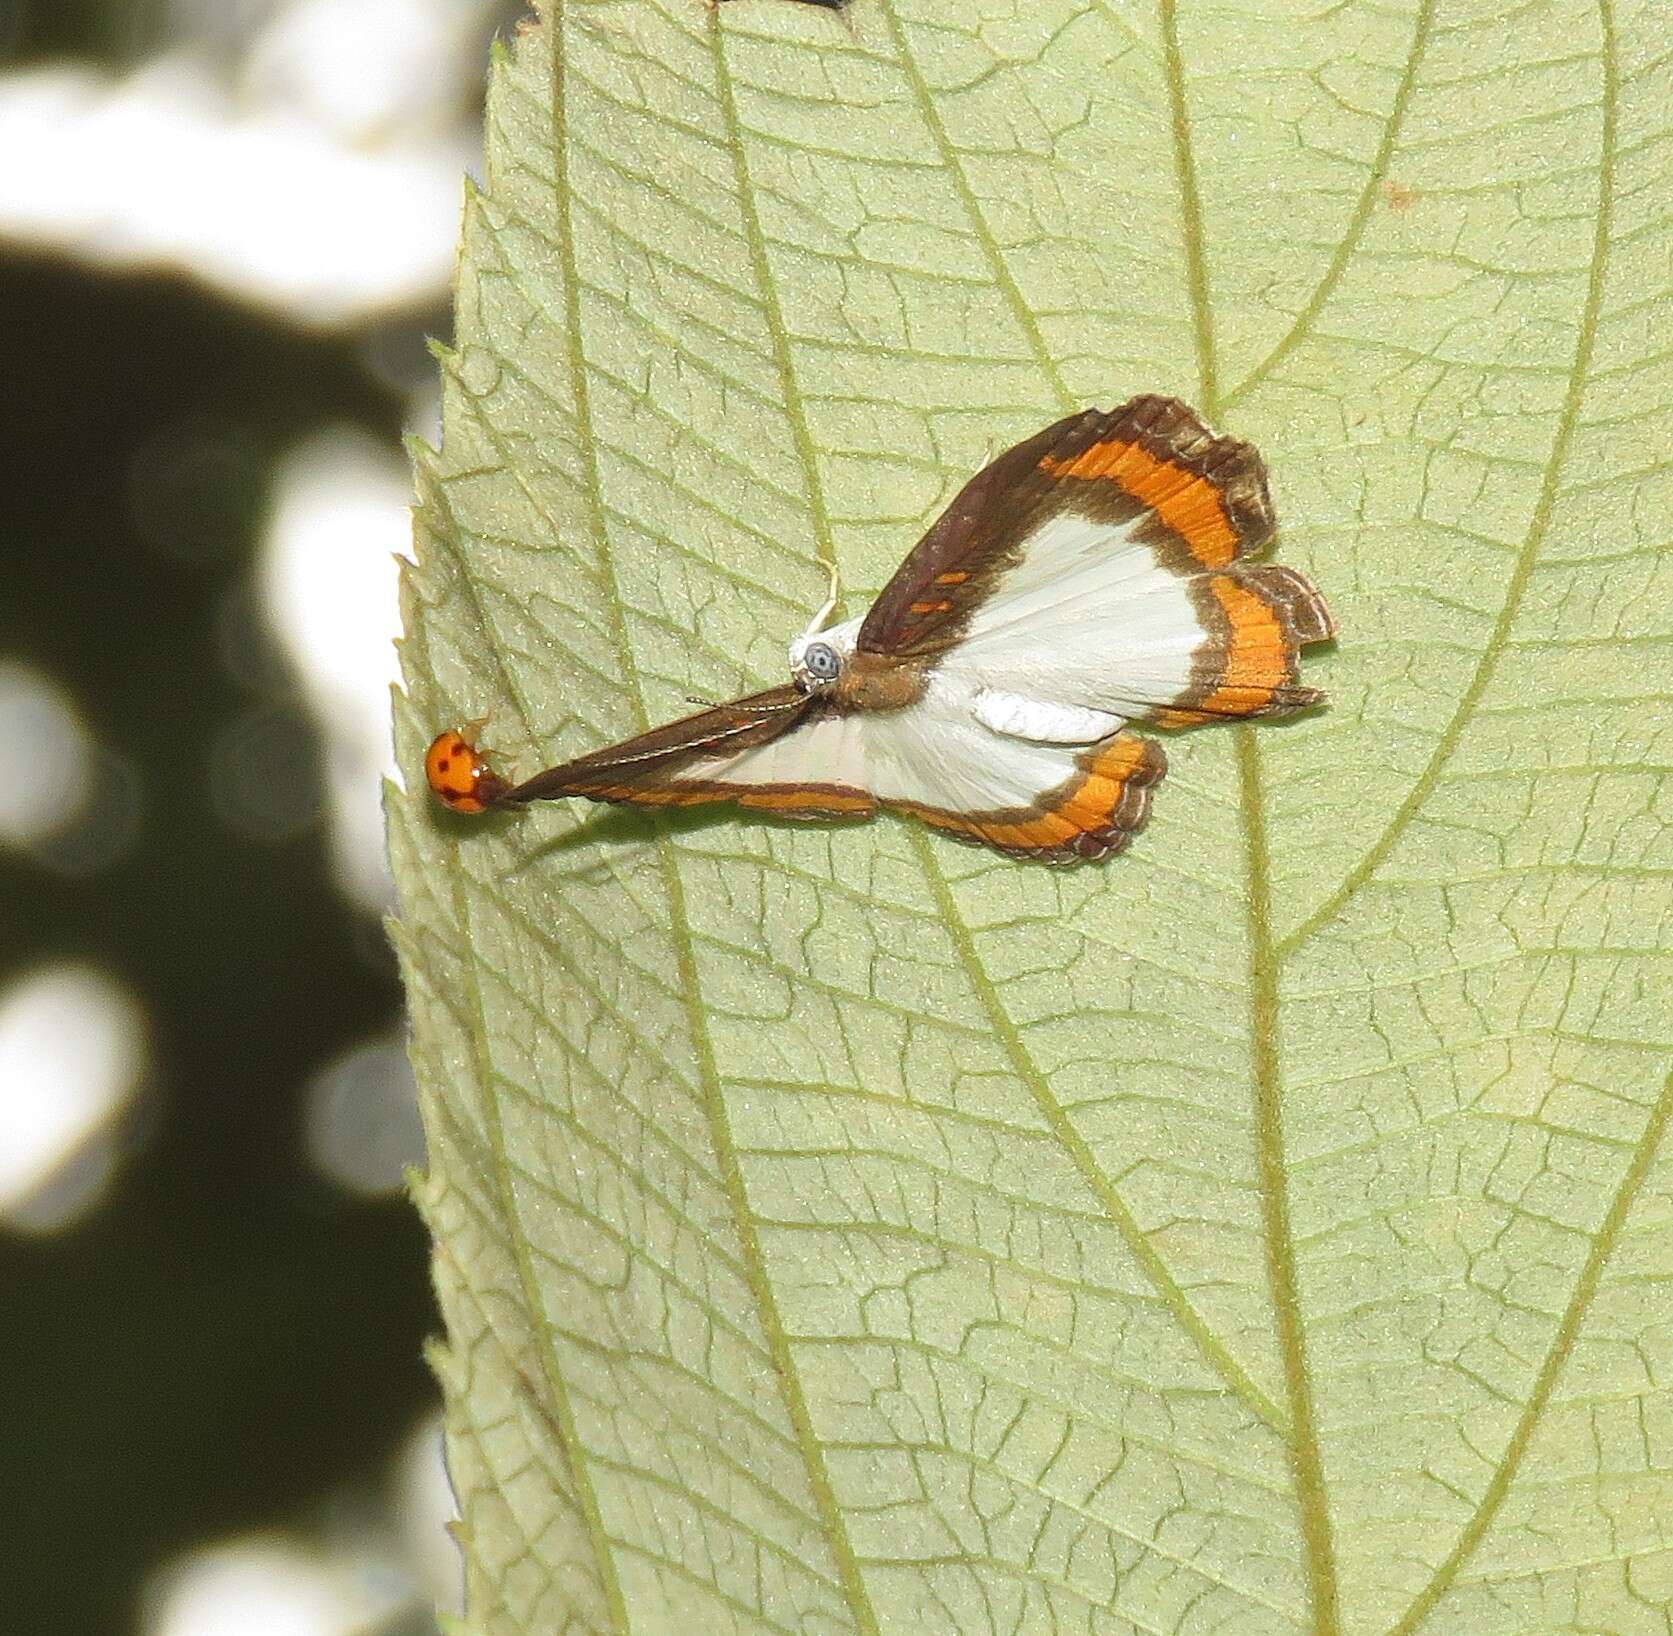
(879, 681)
(829, 665)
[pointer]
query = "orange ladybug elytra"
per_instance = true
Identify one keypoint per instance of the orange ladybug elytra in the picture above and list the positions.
(459, 774)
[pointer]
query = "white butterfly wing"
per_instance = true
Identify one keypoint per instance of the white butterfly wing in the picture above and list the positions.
(1089, 619)
(937, 760)
(816, 770)
(1053, 801)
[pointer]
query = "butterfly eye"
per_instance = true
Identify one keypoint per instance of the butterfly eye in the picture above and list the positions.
(821, 661)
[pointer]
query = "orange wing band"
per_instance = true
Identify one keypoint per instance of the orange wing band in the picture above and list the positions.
(1259, 660)
(1094, 814)
(789, 800)
(813, 802)
(1258, 620)
(1190, 505)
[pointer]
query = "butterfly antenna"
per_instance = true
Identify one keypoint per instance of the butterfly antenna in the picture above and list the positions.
(831, 601)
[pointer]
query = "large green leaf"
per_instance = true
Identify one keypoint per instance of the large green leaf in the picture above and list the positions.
(1272, 1230)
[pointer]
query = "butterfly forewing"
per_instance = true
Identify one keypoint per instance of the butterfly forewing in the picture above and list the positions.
(1096, 568)
(772, 749)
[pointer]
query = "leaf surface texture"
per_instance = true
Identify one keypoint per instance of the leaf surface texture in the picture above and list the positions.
(1272, 1231)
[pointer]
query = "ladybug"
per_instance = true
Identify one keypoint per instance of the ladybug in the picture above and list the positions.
(459, 774)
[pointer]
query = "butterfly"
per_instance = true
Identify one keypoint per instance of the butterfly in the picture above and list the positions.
(1094, 575)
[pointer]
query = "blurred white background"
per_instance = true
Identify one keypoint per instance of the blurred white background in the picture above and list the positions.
(303, 158)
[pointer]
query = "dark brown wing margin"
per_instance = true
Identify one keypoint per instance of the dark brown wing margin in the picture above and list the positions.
(645, 771)
(1203, 500)
(1092, 815)
(950, 571)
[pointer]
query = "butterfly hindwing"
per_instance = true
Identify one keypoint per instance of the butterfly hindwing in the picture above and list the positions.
(1258, 618)
(777, 750)
(1058, 803)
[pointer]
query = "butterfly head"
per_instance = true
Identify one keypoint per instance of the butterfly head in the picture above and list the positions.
(814, 664)
(819, 659)
(819, 656)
